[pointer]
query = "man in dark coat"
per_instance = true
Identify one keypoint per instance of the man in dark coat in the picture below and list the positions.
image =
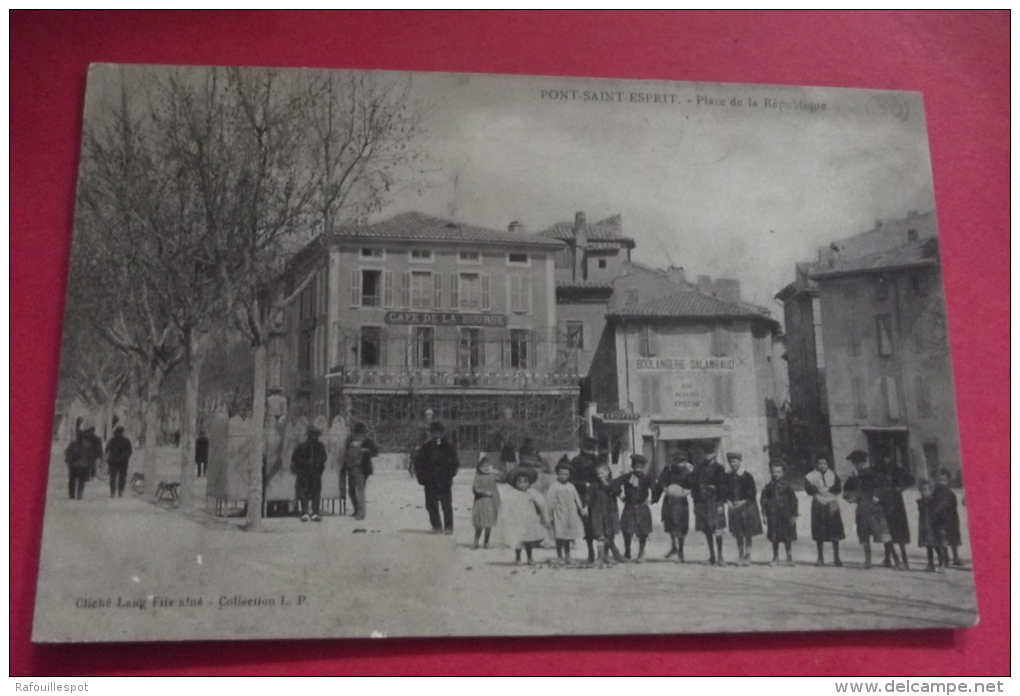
(201, 453)
(118, 455)
(435, 466)
(897, 480)
(308, 462)
(95, 449)
(583, 478)
(77, 457)
(707, 483)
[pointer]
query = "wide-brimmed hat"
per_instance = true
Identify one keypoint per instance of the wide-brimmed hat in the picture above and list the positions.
(858, 456)
(518, 471)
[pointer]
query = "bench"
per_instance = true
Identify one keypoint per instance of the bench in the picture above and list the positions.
(171, 488)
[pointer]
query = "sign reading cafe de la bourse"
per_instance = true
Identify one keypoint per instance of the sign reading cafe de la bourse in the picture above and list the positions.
(445, 319)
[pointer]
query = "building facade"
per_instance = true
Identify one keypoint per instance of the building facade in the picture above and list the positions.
(415, 314)
(694, 369)
(888, 370)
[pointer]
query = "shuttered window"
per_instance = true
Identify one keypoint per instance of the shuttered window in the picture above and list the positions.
(651, 388)
(860, 403)
(722, 390)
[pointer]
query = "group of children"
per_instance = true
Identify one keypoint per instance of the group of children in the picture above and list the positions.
(582, 504)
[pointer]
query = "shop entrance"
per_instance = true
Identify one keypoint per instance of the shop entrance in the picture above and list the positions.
(891, 445)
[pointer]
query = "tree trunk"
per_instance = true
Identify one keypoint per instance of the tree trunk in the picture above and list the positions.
(192, 366)
(258, 428)
(150, 409)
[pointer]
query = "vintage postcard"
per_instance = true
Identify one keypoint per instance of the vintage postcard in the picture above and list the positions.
(373, 354)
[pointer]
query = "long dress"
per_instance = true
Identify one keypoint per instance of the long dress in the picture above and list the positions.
(637, 516)
(603, 511)
(779, 505)
(485, 510)
(826, 518)
(897, 481)
(676, 511)
(564, 506)
(522, 517)
(745, 517)
(862, 488)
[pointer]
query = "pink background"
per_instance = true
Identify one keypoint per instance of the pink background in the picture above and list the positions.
(960, 61)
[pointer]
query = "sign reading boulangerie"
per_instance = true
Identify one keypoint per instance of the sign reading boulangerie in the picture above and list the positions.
(661, 262)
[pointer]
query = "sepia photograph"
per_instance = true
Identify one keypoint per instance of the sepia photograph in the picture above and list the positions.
(353, 354)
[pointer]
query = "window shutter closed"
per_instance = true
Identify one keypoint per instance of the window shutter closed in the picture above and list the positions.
(643, 342)
(892, 401)
(653, 341)
(486, 303)
(437, 290)
(526, 293)
(454, 291)
(388, 289)
(405, 289)
(383, 340)
(355, 288)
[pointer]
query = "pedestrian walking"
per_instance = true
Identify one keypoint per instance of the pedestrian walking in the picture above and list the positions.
(77, 456)
(435, 466)
(95, 450)
(823, 485)
(779, 512)
(201, 454)
(308, 463)
(118, 456)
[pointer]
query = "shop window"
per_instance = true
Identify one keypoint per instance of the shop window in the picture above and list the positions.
(370, 347)
(424, 346)
(519, 349)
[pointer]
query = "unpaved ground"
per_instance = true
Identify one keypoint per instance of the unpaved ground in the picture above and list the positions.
(395, 579)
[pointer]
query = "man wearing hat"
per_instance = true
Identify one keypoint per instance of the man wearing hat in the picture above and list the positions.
(308, 463)
(583, 477)
(865, 487)
(118, 456)
(435, 465)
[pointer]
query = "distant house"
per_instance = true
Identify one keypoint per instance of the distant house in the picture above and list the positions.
(417, 313)
(886, 350)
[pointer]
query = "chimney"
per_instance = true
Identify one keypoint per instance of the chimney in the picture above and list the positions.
(515, 227)
(705, 284)
(676, 275)
(580, 247)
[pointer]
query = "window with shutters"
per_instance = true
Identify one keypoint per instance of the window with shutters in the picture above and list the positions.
(721, 341)
(519, 349)
(722, 388)
(470, 285)
(520, 294)
(470, 349)
(371, 288)
(648, 342)
(651, 388)
(892, 398)
(370, 346)
(575, 335)
(883, 334)
(923, 397)
(423, 350)
(421, 290)
(631, 296)
(860, 404)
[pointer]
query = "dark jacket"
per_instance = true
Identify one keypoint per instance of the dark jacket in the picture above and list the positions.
(361, 460)
(201, 450)
(309, 460)
(77, 456)
(118, 450)
(436, 463)
(95, 448)
(707, 483)
(584, 472)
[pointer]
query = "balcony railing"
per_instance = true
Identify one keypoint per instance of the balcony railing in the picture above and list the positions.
(478, 379)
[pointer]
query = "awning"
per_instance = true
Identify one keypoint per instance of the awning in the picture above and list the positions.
(690, 432)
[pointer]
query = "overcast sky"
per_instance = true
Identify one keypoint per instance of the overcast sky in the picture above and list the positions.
(722, 190)
(741, 191)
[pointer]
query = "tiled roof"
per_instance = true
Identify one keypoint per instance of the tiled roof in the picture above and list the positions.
(608, 230)
(420, 227)
(691, 304)
(922, 252)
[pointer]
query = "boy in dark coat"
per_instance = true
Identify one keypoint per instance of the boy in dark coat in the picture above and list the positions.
(604, 515)
(357, 466)
(583, 477)
(676, 514)
(823, 485)
(435, 466)
(931, 529)
(779, 512)
(118, 455)
(742, 498)
(952, 522)
(95, 449)
(707, 483)
(308, 462)
(636, 520)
